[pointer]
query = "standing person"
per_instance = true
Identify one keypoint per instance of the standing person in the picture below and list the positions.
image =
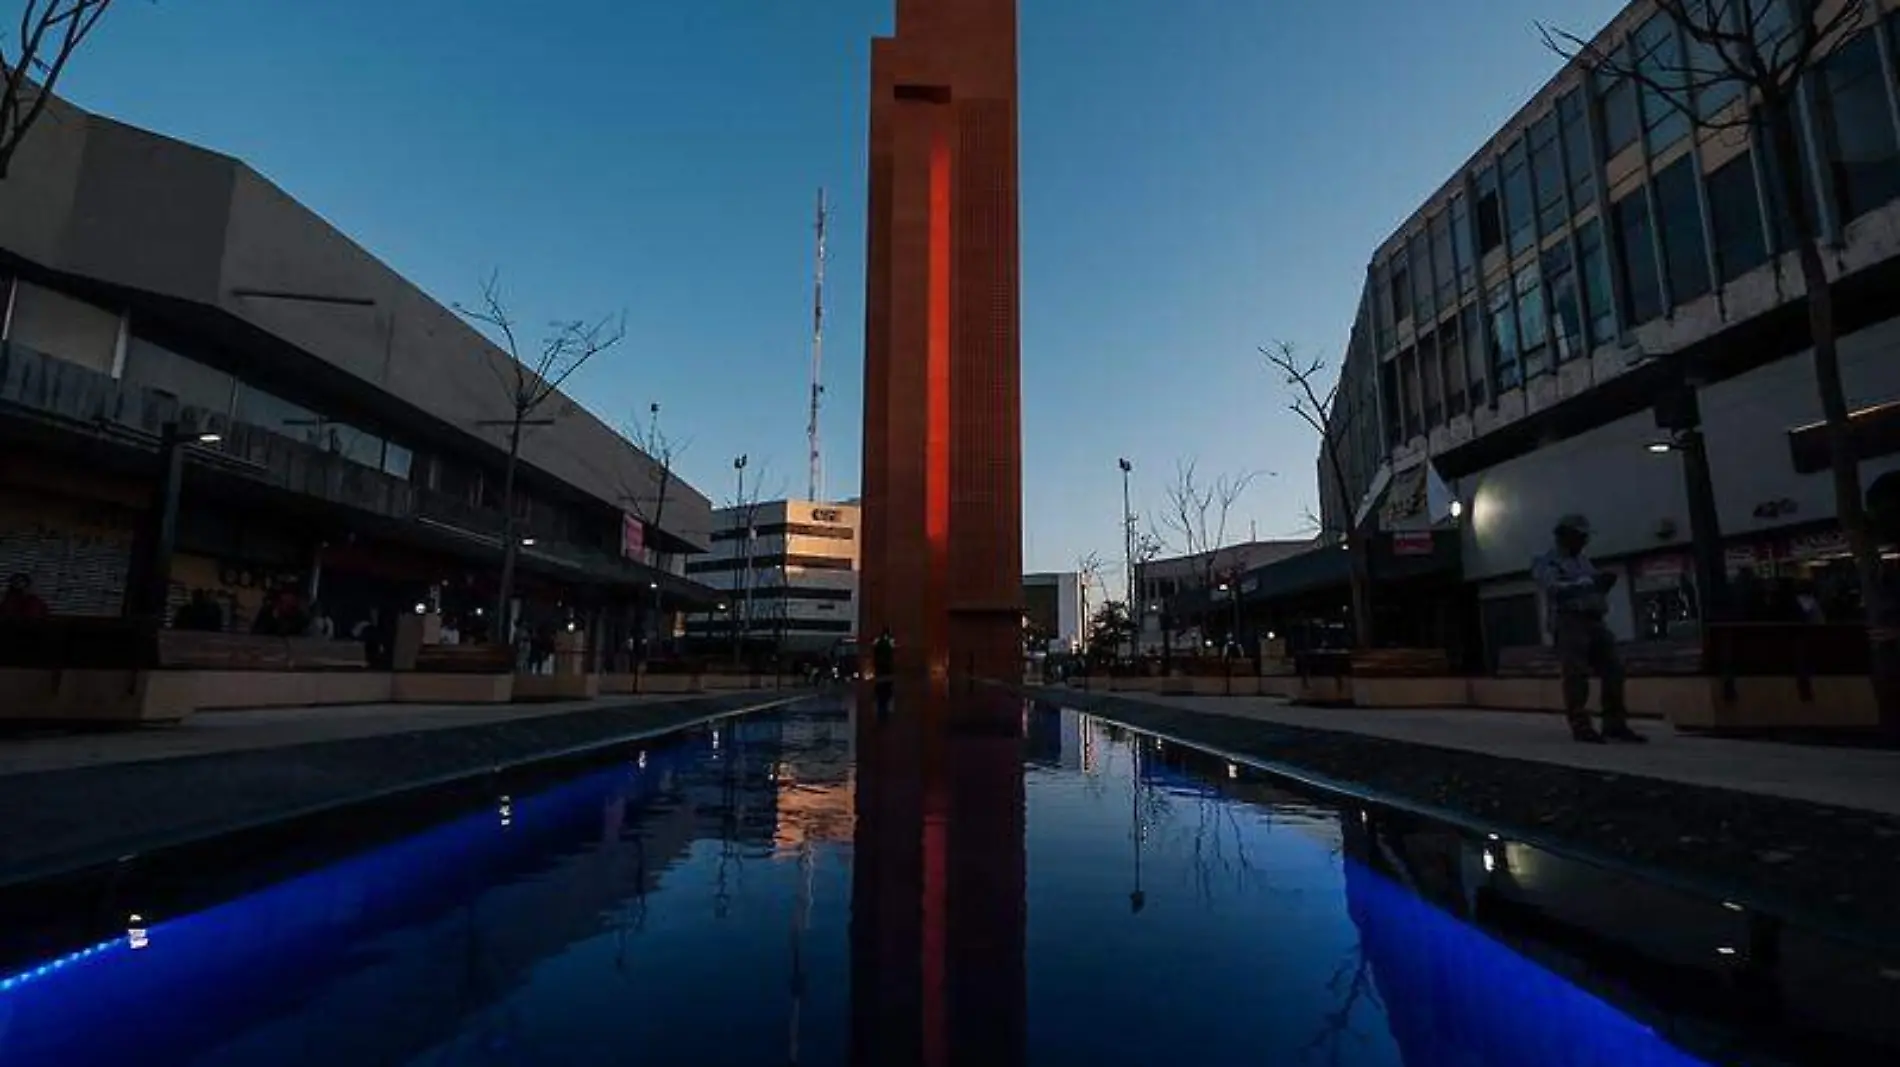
(1575, 592)
(21, 602)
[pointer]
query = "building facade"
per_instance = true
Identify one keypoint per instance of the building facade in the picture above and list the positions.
(1182, 606)
(1056, 608)
(361, 425)
(1600, 253)
(790, 586)
(942, 387)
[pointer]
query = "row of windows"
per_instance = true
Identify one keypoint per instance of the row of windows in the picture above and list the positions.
(796, 529)
(1652, 250)
(775, 559)
(73, 330)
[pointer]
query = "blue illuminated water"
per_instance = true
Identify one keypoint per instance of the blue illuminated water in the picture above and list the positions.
(1061, 893)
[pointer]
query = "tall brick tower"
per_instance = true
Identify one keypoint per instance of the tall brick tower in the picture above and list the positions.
(942, 487)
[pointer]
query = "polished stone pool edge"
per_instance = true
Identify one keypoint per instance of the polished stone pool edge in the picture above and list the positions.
(65, 822)
(1827, 869)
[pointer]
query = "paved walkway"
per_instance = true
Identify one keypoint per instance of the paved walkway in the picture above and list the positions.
(1868, 780)
(208, 733)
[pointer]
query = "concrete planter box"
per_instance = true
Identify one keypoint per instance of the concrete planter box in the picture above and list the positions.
(1776, 703)
(231, 690)
(1286, 686)
(418, 688)
(1322, 689)
(1239, 685)
(556, 687)
(670, 683)
(122, 696)
(1135, 684)
(1440, 692)
(1659, 698)
(721, 683)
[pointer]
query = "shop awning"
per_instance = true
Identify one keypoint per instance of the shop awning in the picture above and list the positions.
(1394, 559)
(1875, 432)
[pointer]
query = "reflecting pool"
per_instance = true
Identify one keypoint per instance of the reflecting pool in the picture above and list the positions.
(962, 882)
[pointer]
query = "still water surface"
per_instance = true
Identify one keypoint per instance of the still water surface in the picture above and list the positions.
(811, 886)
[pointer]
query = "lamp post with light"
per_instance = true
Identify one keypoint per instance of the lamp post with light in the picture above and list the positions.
(148, 591)
(1128, 555)
(1679, 416)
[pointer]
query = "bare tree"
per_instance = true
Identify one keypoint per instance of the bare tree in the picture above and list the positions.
(1318, 407)
(529, 380)
(50, 31)
(1197, 514)
(648, 504)
(1088, 574)
(1743, 68)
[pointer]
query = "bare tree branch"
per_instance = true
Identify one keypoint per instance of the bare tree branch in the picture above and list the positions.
(50, 31)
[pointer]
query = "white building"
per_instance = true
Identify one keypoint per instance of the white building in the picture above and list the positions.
(791, 585)
(1596, 255)
(1055, 603)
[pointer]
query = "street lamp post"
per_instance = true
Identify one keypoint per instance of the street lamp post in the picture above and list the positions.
(1128, 555)
(148, 591)
(743, 616)
(1679, 415)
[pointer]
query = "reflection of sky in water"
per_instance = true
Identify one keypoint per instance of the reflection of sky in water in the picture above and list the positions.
(667, 913)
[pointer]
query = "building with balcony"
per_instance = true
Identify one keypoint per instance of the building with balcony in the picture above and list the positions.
(1601, 252)
(361, 424)
(786, 576)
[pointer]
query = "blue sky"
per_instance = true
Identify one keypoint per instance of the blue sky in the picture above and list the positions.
(1199, 177)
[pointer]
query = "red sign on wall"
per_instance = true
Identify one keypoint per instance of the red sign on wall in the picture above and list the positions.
(1412, 543)
(633, 538)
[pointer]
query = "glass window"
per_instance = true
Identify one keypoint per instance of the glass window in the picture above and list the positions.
(1598, 295)
(397, 460)
(1680, 216)
(1490, 211)
(152, 366)
(1659, 58)
(1547, 170)
(281, 417)
(1451, 355)
(1617, 98)
(1408, 390)
(1421, 256)
(1863, 160)
(1433, 384)
(1784, 225)
(1401, 288)
(1735, 211)
(1708, 70)
(1389, 397)
(1473, 330)
(1579, 165)
(1444, 271)
(1636, 258)
(357, 446)
(1504, 365)
(1382, 307)
(1566, 315)
(1461, 244)
(1532, 339)
(1518, 209)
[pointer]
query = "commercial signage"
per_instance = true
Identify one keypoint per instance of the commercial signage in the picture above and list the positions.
(1412, 543)
(1406, 503)
(826, 515)
(633, 537)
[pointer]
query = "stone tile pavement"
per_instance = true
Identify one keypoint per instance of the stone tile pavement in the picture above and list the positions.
(1865, 779)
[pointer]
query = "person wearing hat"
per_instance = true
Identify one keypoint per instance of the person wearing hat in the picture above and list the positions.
(1575, 592)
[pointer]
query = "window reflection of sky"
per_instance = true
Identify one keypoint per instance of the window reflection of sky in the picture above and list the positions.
(667, 913)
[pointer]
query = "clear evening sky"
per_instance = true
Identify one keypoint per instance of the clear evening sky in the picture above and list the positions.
(1198, 177)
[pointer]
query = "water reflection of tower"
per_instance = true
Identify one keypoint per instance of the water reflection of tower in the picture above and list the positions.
(938, 913)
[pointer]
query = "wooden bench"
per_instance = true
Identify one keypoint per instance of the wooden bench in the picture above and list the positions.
(465, 659)
(189, 650)
(1641, 659)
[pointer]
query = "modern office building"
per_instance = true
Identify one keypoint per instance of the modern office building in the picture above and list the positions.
(1056, 607)
(942, 386)
(1599, 254)
(792, 585)
(360, 423)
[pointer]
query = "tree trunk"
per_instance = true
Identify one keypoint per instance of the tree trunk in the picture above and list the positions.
(1359, 579)
(510, 540)
(1843, 459)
